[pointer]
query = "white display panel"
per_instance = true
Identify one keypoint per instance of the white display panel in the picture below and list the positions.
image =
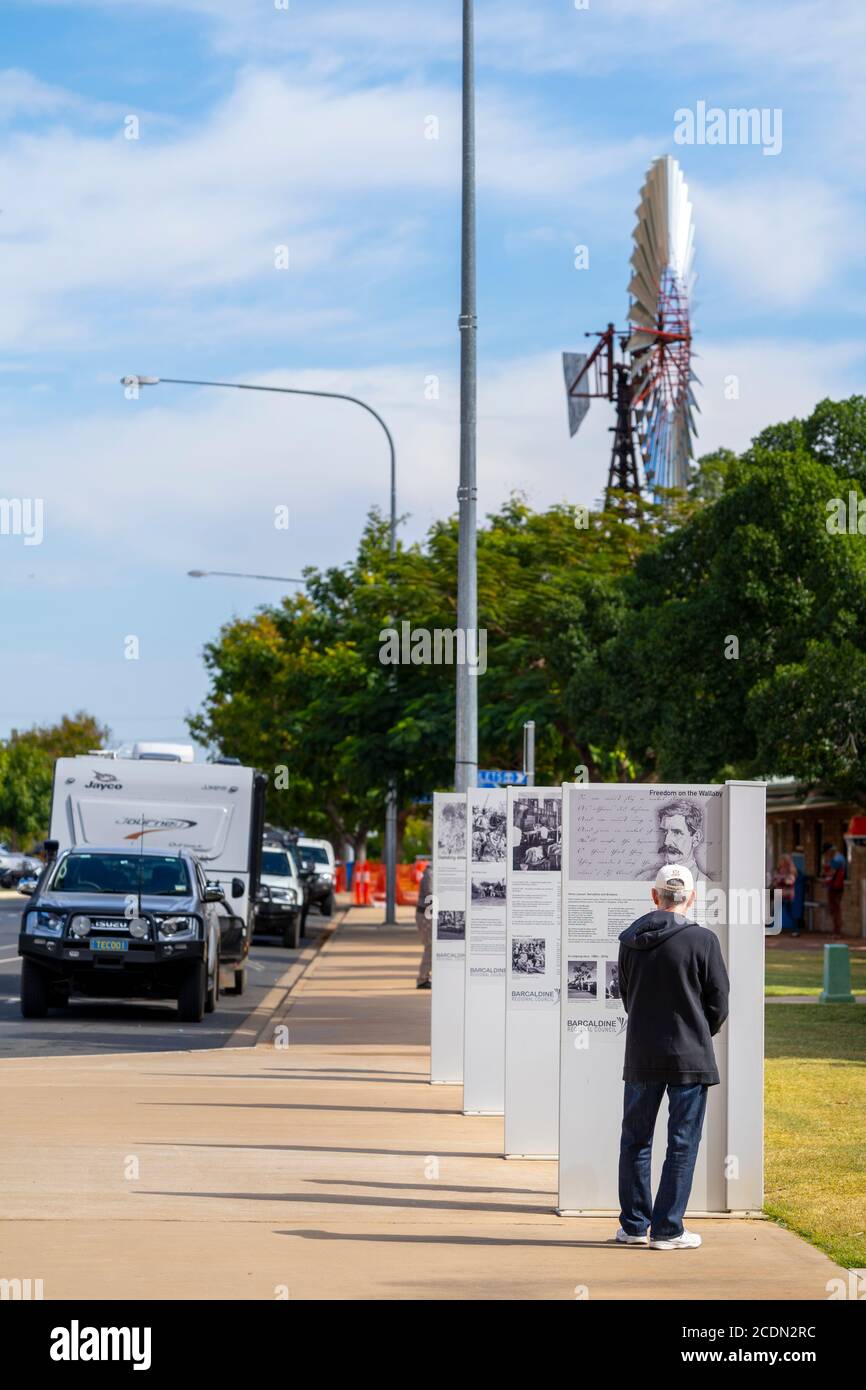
(484, 1030)
(449, 937)
(615, 838)
(746, 818)
(533, 971)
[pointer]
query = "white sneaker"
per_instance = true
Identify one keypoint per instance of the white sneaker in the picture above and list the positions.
(689, 1240)
(623, 1238)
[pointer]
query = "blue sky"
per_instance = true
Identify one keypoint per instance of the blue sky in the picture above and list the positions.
(261, 128)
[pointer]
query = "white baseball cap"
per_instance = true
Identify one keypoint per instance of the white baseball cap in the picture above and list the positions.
(675, 878)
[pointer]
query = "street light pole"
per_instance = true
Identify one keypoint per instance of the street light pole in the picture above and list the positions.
(466, 720)
(529, 752)
(391, 795)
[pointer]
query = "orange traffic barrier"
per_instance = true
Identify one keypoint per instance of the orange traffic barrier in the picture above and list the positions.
(368, 882)
(361, 885)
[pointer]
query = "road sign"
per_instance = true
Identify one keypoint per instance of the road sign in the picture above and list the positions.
(500, 777)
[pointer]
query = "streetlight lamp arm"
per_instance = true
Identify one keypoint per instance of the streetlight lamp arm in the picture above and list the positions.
(324, 395)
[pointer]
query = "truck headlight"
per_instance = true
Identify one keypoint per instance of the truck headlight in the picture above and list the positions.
(174, 928)
(42, 923)
(80, 925)
(284, 895)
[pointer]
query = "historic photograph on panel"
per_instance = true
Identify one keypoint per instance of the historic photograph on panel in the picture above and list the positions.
(488, 886)
(488, 834)
(629, 834)
(451, 842)
(583, 979)
(450, 925)
(528, 955)
(612, 995)
(538, 833)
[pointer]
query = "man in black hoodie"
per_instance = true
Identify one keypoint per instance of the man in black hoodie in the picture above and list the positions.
(675, 991)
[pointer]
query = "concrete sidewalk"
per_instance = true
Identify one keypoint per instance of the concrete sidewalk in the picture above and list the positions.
(327, 1169)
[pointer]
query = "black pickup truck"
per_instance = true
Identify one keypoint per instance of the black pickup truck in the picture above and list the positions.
(121, 924)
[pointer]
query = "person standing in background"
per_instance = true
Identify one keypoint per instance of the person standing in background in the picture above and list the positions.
(424, 923)
(784, 881)
(835, 866)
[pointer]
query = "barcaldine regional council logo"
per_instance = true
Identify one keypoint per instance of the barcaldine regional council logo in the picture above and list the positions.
(599, 1027)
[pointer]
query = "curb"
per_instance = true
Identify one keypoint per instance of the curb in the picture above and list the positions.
(266, 1015)
(281, 1010)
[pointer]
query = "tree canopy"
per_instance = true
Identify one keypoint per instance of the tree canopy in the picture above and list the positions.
(27, 769)
(719, 633)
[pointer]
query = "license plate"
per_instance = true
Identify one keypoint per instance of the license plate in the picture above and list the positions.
(109, 946)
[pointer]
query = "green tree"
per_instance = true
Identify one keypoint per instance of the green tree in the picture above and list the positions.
(303, 686)
(835, 434)
(300, 691)
(25, 793)
(713, 634)
(707, 482)
(729, 621)
(27, 767)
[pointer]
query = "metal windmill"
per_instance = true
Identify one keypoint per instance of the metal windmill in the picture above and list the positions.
(646, 369)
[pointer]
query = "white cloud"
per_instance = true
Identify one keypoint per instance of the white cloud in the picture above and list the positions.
(22, 94)
(806, 39)
(775, 243)
(183, 478)
(344, 178)
(777, 379)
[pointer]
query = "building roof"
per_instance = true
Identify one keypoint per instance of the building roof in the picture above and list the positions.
(790, 795)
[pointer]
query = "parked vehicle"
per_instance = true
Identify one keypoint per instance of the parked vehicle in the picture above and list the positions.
(15, 866)
(215, 812)
(281, 903)
(319, 866)
(121, 924)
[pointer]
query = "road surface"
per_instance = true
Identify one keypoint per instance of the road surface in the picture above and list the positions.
(94, 1026)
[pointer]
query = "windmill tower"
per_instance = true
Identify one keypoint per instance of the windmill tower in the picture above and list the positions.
(646, 369)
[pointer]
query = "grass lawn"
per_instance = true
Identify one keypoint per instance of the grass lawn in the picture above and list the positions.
(815, 1099)
(802, 972)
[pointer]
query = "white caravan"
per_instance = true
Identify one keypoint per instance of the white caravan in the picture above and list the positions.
(214, 810)
(164, 752)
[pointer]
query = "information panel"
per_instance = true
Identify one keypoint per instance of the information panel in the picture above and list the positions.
(484, 1033)
(615, 840)
(449, 937)
(533, 897)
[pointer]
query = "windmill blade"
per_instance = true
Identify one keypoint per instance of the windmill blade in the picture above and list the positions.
(660, 344)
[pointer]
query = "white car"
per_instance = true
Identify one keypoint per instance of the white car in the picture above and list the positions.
(280, 905)
(320, 867)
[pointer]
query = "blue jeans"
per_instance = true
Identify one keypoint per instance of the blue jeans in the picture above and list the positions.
(687, 1106)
